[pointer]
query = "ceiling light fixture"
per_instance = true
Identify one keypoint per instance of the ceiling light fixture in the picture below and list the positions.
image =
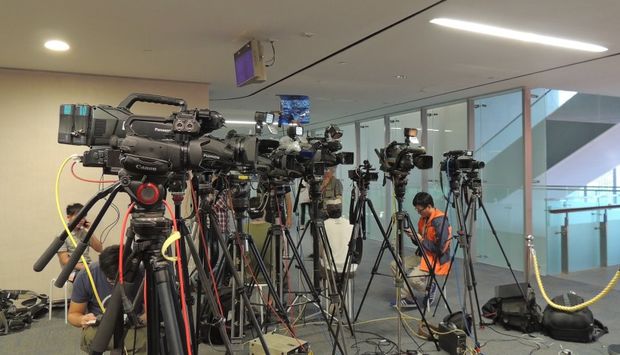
(517, 35)
(240, 122)
(57, 45)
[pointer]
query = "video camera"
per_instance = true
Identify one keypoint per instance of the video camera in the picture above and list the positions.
(297, 159)
(364, 173)
(154, 145)
(402, 157)
(457, 161)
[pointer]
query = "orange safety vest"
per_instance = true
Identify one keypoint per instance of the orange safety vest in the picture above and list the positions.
(432, 247)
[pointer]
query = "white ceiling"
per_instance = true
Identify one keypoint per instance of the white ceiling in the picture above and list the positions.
(194, 40)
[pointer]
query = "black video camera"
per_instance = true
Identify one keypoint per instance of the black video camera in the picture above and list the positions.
(309, 160)
(96, 125)
(457, 161)
(364, 173)
(155, 145)
(402, 157)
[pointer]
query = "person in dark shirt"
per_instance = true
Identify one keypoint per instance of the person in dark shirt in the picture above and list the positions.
(85, 309)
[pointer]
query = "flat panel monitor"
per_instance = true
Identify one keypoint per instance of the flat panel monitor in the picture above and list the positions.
(249, 66)
(294, 108)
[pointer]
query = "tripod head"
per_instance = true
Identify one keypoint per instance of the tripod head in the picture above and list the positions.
(240, 192)
(399, 179)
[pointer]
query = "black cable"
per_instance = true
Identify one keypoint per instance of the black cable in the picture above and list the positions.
(382, 341)
(273, 58)
(381, 30)
(107, 229)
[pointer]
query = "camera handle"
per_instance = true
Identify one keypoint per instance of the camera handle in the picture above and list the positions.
(154, 99)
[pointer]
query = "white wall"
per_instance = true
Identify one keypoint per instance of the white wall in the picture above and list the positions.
(30, 157)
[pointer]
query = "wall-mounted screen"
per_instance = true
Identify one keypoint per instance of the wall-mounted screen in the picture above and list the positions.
(294, 108)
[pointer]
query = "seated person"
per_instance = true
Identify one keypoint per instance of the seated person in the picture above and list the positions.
(434, 233)
(338, 230)
(258, 229)
(64, 253)
(84, 308)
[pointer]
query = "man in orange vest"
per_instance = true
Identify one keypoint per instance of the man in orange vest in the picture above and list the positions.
(434, 233)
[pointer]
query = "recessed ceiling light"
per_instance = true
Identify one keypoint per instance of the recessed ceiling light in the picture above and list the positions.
(517, 35)
(400, 76)
(57, 45)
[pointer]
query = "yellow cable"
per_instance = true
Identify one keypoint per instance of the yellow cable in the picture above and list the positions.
(70, 235)
(167, 243)
(580, 306)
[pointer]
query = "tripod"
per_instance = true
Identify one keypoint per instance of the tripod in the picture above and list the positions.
(467, 186)
(401, 217)
(321, 251)
(279, 233)
(245, 244)
(150, 229)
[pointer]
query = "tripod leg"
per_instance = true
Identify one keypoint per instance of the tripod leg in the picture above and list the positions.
(328, 258)
(166, 306)
(199, 262)
(466, 267)
(401, 269)
(188, 297)
(246, 302)
(210, 296)
(301, 239)
(270, 286)
(313, 291)
(499, 244)
(329, 265)
(377, 260)
(471, 265)
(445, 281)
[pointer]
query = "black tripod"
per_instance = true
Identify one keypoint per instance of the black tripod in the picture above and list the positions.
(277, 234)
(148, 231)
(244, 245)
(466, 187)
(402, 219)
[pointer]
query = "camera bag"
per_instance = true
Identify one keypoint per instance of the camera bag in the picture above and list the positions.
(18, 308)
(579, 326)
(515, 313)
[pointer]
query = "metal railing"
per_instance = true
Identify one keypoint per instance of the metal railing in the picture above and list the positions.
(602, 232)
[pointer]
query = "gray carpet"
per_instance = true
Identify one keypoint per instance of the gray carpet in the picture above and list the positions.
(54, 337)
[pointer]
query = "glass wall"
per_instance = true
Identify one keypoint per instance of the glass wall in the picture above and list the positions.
(498, 132)
(574, 164)
(372, 135)
(575, 138)
(447, 130)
